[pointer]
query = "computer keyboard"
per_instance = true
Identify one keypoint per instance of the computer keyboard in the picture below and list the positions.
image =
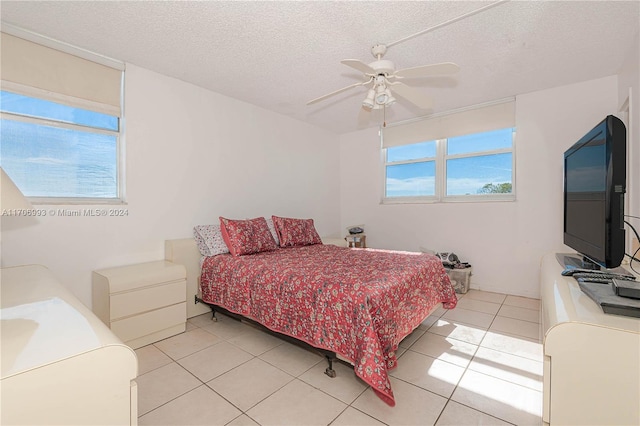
(594, 280)
(600, 277)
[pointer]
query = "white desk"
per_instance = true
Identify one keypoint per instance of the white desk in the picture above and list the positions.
(60, 364)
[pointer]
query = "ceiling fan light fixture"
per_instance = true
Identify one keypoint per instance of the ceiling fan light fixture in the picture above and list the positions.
(381, 73)
(391, 100)
(369, 101)
(384, 97)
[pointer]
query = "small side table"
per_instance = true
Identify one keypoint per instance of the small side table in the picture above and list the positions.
(356, 240)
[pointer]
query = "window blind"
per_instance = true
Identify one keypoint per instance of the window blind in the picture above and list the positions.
(462, 122)
(52, 72)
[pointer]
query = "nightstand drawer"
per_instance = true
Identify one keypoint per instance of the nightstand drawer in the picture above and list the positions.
(149, 322)
(153, 297)
(140, 275)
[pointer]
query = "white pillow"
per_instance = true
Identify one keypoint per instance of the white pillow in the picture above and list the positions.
(209, 240)
(272, 228)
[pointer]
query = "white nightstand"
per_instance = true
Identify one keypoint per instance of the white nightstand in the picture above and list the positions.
(142, 303)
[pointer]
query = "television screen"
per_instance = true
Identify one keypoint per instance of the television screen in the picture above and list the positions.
(594, 186)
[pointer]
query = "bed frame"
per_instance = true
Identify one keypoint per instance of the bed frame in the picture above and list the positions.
(185, 252)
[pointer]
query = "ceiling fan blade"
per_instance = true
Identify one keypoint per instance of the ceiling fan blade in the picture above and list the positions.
(428, 70)
(410, 94)
(358, 65)
(313, 101)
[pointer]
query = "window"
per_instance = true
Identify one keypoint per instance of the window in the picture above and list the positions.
(411, 170)
(53, 150)
(60, 120)
(461, 155)
(477, 166)
(480, 164)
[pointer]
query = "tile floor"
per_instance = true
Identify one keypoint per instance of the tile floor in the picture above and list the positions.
(480, 363)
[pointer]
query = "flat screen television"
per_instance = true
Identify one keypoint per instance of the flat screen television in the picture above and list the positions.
(594, 186)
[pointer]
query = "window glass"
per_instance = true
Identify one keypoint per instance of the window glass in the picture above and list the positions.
(486, 141)
(47, 161)
(411, 179)
(482, 174)
(411, 152)
(40, 108)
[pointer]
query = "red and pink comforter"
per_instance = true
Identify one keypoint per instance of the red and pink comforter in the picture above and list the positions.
(359, 303)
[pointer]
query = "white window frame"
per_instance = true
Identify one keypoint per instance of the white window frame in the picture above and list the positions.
(119, 135)
(441, 176)
(34, 92)
(410, 199)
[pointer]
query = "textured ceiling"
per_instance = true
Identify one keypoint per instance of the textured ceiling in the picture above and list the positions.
(279, 55)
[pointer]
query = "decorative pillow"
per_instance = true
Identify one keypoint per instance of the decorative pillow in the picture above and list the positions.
(296, 232)
(209, 240)
(247, 236)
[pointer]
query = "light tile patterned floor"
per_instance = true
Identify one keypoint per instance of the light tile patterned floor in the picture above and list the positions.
(480, 363)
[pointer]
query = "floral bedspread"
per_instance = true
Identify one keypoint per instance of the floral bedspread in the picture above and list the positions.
(359, 303)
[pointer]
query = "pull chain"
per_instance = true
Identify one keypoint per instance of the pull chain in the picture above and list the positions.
(384, 115)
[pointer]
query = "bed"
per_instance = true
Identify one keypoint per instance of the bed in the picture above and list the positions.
(355, 303)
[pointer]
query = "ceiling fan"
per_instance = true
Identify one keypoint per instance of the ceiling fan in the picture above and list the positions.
(383, 80)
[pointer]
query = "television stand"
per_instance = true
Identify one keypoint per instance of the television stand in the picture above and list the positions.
(577, 261)
(590, 365)
(574, 260)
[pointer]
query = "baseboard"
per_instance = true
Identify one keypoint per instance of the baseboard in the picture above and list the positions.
(494, 289)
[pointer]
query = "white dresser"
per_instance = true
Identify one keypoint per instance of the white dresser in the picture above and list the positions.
(142, 303)
(591, 359)
(60, 364)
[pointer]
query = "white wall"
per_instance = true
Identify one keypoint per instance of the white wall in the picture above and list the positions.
(629, 89)
(191, 156)
(504, 241)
